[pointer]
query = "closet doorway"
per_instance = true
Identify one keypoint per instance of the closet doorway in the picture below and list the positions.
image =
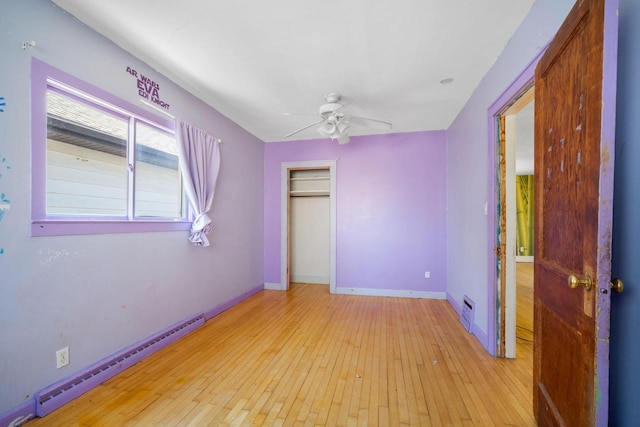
(309, 226)
(308, 223)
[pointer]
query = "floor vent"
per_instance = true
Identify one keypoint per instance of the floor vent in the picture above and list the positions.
(466, 317)
(61, 393)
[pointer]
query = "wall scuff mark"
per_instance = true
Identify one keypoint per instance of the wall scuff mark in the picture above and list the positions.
(5, 204)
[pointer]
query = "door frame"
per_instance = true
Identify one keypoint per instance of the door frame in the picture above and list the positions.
(507, 217)
(285, 167)
(496, 334)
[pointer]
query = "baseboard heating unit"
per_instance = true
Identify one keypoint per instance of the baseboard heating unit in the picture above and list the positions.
(62, 392)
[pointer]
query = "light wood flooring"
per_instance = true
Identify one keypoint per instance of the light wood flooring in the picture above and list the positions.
(524, 301)
(305, 357)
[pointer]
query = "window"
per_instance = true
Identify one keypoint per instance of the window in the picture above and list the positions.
(102, 167)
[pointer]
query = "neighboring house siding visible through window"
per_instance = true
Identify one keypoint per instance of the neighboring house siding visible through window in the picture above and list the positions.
(86, 159)
(103, 168)
(158, 182)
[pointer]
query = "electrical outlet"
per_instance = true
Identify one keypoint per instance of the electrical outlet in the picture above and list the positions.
(427, 274)
(62, 357)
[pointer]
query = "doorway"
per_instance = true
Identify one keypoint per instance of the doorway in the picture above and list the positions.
(304, 185)
(309, 226)
(515, 233)
(503, 312)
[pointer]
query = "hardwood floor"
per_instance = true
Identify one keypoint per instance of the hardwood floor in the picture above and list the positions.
(524, 301)
(306, 357)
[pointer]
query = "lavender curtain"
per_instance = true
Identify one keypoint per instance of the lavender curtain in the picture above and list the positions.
(199, 163)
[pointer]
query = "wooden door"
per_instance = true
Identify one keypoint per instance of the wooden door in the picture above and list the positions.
(574, 131)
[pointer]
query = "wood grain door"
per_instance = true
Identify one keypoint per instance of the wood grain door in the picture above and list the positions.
(574, 131)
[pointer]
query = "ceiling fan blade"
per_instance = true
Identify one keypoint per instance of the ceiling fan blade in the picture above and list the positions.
(372, 123)
(300, 114)
(303, 128)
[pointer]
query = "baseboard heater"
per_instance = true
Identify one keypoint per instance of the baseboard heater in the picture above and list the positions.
(62, 392)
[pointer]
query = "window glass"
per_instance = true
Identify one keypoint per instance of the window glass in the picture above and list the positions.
(158, 191)
(86, 167)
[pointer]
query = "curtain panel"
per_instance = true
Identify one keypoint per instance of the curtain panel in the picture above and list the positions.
(199, 154)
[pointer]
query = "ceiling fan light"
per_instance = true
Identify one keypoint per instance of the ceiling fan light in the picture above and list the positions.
(342, 126)
(327, 129)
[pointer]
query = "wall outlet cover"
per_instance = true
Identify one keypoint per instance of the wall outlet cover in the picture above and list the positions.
(62, 357)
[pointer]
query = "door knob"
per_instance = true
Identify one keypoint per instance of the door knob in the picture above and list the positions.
(576, 282)
(617, 285)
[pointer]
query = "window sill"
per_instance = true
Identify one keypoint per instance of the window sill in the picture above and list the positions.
(78, 227)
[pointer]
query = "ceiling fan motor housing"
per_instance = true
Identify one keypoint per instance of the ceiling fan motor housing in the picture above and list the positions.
(329, 109)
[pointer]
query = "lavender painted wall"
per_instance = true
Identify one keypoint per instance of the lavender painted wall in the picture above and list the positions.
(467, 166)
(391, 209)
(100, 293)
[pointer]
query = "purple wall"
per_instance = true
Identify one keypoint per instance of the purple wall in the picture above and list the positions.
(100, 293)
(469, 174)
(391, 209)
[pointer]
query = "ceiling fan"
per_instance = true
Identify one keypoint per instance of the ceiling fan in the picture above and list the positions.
(334, 122)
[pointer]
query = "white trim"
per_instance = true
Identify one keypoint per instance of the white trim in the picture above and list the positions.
(392, 293)
(273, 287)
(524, 258)
(284, 206)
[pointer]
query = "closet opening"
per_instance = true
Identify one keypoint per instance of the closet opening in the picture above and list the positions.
(309, 226)
(308, 223)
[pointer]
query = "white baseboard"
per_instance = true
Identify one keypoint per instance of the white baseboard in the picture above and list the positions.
(391, 293)
(524, 258)
(273, 286)
(320, 280)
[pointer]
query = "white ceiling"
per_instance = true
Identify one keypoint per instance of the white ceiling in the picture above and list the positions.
(254, 60)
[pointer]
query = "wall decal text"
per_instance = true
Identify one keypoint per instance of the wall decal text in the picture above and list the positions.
(148, 89)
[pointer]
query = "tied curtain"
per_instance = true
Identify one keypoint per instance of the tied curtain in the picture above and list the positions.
(199, 163)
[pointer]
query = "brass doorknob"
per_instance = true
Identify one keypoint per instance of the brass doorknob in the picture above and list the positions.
(576, 282)
(617, 285)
